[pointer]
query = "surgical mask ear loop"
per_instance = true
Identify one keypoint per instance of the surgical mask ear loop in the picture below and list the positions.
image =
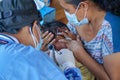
(33, 37)
(39, 33)
(77, 8)
(36, 39)
(85, 13)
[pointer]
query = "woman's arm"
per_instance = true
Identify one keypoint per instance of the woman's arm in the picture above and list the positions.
(97, 69)
(83, 57)
(112, 66)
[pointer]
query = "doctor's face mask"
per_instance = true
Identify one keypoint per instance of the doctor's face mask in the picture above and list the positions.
(38, 44)
(72, 18)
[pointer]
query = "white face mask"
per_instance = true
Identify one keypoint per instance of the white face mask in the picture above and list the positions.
(73, 19)
(38, 45)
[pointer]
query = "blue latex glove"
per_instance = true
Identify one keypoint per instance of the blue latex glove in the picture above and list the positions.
(73, 74)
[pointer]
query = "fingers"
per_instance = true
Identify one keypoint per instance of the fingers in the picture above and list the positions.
(64, 41)
(52, 41)
(69, 34)
(45, 34)
(47, 39)
(66, 33)
(78, 38)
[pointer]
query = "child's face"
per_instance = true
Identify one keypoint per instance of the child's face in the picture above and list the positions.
(59, 45)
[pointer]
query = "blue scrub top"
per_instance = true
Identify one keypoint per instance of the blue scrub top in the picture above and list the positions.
(20, 62)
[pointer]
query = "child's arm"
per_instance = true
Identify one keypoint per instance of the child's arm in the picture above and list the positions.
(66, 61)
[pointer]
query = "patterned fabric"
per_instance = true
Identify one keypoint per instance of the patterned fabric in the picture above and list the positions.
(71, 28)
(102, 44)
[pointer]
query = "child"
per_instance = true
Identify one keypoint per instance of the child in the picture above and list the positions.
(58, 51)
(58, 28)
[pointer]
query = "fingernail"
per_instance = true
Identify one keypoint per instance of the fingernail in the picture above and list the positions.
(66, 30)
(46, 32)
(68, 38)
(60, 40)
(50, 33)
(54, 39)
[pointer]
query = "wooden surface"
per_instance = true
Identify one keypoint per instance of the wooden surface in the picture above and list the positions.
(60, 15)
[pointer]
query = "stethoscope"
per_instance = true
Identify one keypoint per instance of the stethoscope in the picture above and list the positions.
(54, 52)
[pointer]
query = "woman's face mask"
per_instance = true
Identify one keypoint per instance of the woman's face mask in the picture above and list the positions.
(72, 18)
(38, 45)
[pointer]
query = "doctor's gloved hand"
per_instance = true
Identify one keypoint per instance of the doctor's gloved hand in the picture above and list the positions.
(65, 59)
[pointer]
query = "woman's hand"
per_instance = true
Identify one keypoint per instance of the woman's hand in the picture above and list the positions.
(47, 39)
(74, 45)
(69, 34)
(83, 57)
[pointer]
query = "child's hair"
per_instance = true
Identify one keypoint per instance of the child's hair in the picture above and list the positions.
(53, 27)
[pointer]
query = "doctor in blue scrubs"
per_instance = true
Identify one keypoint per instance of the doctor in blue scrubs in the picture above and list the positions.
(20, 43)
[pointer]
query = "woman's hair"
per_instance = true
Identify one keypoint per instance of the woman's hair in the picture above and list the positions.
(112, 6)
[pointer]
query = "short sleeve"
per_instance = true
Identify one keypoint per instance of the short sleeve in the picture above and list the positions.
(107, 41)
(114, 21)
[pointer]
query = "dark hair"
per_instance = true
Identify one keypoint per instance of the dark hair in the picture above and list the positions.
(112, 6)
(74, 2)
(53, 27)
